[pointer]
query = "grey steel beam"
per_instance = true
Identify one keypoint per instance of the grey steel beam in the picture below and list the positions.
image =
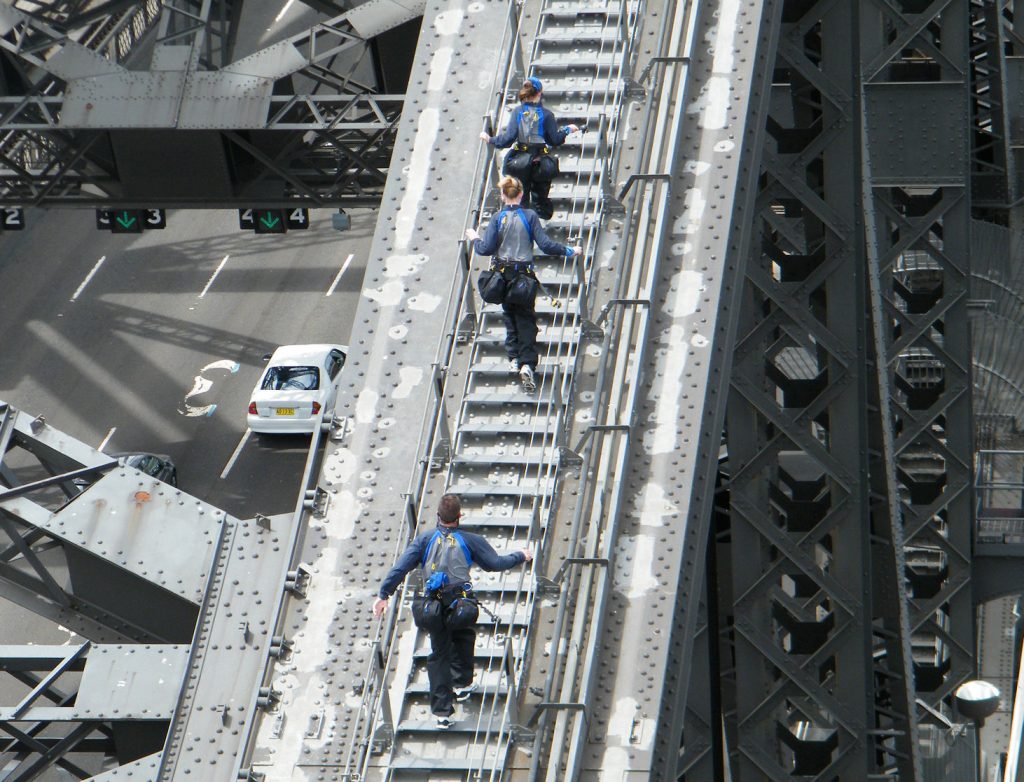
(384, 405)
(993, 170)
(235, 641)
(93, 713)
(824, 674)
(645, 720)
(850, 490)
(918, 224)
(155, 670)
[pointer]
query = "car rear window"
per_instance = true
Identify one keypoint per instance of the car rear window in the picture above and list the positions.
(291, 379)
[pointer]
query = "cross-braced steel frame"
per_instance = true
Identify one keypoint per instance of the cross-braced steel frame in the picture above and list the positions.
(31, 746)
(80, 546)
(324, 138)
(993, 171)
(40, 475)
(846, 597)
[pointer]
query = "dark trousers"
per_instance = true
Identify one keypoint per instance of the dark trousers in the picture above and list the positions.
(535, 173)
(450, 665)
(521, 334)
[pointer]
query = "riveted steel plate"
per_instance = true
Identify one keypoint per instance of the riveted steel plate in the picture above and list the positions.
(230, 652)
(127, 518)
(910, 142)
(119, 682)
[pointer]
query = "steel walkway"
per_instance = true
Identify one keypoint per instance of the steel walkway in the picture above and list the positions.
(505, 442)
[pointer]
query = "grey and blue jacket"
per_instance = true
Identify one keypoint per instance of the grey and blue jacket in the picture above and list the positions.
(482, 553)
(550, 133)
(511, 237)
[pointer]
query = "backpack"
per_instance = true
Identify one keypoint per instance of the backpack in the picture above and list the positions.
(441, 565)
(530, 121)
(448, 601)
(503, 216)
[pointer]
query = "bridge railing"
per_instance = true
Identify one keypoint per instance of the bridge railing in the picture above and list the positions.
(999, 498)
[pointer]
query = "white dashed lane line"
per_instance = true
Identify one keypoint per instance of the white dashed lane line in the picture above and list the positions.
(88, 277)
(337, 279)
(234, 456)
(106, 439)
(213, 276)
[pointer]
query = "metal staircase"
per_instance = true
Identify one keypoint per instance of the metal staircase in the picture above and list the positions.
(504, 446)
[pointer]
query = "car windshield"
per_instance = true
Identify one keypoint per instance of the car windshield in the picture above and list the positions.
(291, 379)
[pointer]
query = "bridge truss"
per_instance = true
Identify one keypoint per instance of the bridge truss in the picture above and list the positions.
(843, 595)
(90, 92)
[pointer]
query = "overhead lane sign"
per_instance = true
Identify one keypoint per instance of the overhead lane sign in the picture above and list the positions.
(273, 221)
(130, 221)
(12, 219)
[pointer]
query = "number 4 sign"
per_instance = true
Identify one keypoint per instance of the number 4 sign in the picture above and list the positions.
(298, 219)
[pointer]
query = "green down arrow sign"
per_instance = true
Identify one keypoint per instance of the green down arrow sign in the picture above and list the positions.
(126, 221)
(269, 222)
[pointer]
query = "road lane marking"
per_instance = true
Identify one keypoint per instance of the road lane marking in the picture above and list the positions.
(234, 456)
(337, 279)
(284, 10)
(107, 438)
(88, 277)
(214, 276)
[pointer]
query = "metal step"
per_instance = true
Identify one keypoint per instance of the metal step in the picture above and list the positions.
(496, 426)
(542, 307)
(419, 763)
(495, 490)
(518, 521)
(580, 60)
(421, 687)
(500, 368)
(606, 35)
(585, 85)
(544, 337)
(573, 11)
(576, 112)
(430, 726)
(550, 455)
(501, 398)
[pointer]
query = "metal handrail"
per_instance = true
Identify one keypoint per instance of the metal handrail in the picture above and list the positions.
(603, 533)
(310, 481)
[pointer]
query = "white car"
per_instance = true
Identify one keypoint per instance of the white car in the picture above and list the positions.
(300, 382)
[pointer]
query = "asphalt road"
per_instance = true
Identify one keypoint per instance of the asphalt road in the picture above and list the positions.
(131, 338)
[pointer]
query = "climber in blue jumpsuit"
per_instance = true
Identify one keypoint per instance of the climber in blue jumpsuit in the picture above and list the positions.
(532, 133)
(450, 667)
(510, 238)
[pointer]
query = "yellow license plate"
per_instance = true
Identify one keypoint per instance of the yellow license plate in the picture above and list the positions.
(286, 411)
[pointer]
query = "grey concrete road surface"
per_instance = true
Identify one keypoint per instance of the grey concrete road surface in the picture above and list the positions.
(153, 342)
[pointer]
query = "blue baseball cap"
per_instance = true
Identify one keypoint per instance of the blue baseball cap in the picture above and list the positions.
(536, 83)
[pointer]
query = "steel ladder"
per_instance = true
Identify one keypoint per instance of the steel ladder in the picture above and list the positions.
(504, 463)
